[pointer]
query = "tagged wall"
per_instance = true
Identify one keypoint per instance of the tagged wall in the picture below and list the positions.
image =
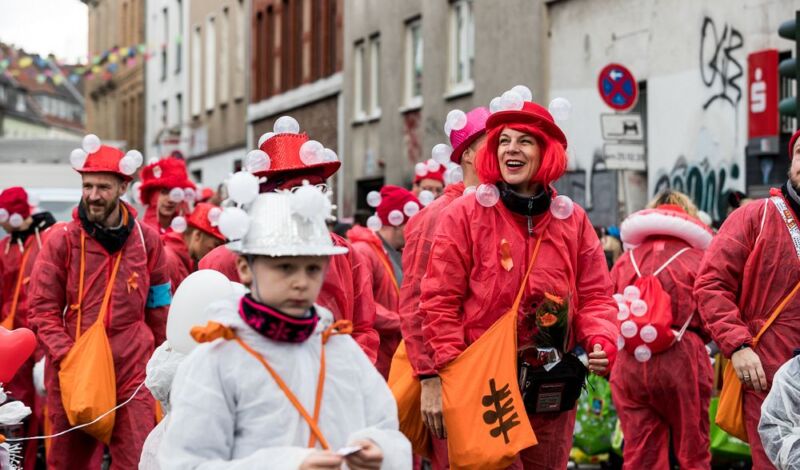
(693, 57)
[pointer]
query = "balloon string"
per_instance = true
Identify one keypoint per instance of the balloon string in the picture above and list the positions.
(20, 439)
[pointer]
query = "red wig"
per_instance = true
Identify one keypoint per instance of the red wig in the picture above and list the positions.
(552, 155)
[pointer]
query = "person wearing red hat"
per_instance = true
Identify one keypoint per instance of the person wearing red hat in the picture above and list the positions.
(103, 253)
(380, 246)
(292, 159)
(191, 240)
(746, 291)
(18, 252)
(164, 191)
(481, 251)
(655, 403)
(419, 233)
(432, 181)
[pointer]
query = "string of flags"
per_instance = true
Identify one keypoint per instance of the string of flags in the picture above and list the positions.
(102, 66)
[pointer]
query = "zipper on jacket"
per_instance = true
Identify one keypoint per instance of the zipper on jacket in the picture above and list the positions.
(530, 218)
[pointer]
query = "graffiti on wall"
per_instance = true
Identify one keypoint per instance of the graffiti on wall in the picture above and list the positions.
(708, 185)
(719, 68)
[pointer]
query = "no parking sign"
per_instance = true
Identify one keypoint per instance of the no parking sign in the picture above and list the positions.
(617, 87)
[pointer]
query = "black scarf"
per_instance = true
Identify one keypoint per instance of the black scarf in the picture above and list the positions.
(791, 195)
(112, 239)
(41, 222)
(529, 206)
(273, 324)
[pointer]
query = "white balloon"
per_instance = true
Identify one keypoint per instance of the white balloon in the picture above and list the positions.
(457, 119)
(648, 333)
(560, 108)
(176, 195)
(454, 175)
(426, 197)
(620, 342)
(433, 166)
(561, 207)
(624, 312)
(329, 155)
(137, 157)
(469, 190)
(286, 125)
(642, 353)
(77, 158)
(447, 129)
(374, 223)
(15, 220)
(524, 92)
(213, 216)
(487, 195)
(189, 303)
(234, 223)
(495, 105)
(631, 293)
(179, 224)
(639, 308)
(411, 209)
(396, 218)
(311, 152)
(190, 194)
(264, 138)
(441, 153)
(257, 161)
(91, 143)
(511, 101)
(127, 165)
(421, 169)
(243, 187)
(628, 329)
(3, 215)
(374, 199)
(619, 298)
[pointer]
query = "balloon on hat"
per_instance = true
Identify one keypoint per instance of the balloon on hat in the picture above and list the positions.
(3, 215)
(560, 108)
(91, 143)
(16, 346)
(257, 161)
(234, 223)
(495, 105)
(441, 153)
(511, 101)
(77, 158)
(374, 223)
(421, 169)
(374, 199)
(188, 308)
(213, 216)
(456, 120)
(190, 194)
(410, 209)
(176, 195)
(243, 187)
(15, 220)
(136, 156)
(311, 152)
(523, 91)
(396, 218)
(286, 125)
(433, 166)
(264, 137)
(329, 155)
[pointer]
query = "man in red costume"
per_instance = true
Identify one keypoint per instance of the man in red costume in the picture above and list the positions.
(419, 235)
(751, 268)
(381, 250)
(432, 181)
(18, 251)
(163, 191)
(347, 291)
(102, 242)
(188, 244)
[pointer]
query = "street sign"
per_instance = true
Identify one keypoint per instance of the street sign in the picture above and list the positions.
(624, 127)
(617, 87)
(625, 157)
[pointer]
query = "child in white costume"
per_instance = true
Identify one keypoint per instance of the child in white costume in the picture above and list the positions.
(230, 412)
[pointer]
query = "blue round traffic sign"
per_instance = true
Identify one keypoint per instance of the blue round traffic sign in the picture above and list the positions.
(617, 87)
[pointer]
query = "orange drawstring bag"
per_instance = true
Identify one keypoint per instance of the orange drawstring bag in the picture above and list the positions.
(406, 389)
(484, 415)
(86, 375)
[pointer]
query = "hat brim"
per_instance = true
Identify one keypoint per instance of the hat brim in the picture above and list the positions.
(218, 236)
(296, 250)
(326, 170)
(524, 117)
(103, 170)
(458, 152)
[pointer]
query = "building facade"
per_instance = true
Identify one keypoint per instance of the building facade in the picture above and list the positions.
(217, 44)
(167, 121)
(407, 64)
(115, 101)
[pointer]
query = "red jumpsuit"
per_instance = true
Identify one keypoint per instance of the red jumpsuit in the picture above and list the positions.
(21, 387)
(151, 218)
(135, 324)
(746, 272)
(466, 289)
(178, 259)
(346, 292)
(655, 401)
(385, 291)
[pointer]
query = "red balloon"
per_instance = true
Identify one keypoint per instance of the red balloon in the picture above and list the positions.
(16, 346)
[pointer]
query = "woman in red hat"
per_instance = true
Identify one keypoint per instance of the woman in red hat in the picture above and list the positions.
(164, 190)
(655, 404)
(380, 245)
(480, 255)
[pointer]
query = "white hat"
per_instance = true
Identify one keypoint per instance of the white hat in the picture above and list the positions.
(289, 224)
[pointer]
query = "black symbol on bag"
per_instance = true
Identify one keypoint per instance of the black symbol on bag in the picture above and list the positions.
(498, 414)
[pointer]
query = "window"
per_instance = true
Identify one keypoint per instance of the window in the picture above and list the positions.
(164, 113)
(197, 175)
(210, 62)
(358, 85)
(241, 44)
(197, 37)
(165, 45)
(462, 46)
(179, 108)
(21, 108)
(224, 62)
(374, 75)
(179, 38)
(413, 63)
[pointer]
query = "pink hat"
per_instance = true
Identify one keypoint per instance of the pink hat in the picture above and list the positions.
(791, 143)
(462, 138)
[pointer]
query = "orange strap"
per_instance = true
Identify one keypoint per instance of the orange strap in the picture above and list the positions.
(524, 283)
(387, 264)
(775, 314)
(8, 323)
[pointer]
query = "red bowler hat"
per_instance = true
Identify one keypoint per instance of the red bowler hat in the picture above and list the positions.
(14, 200)
(205, 217)
(283, 151)
(475, 127)
(531, 113)
(167, 173)
(93, 157)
